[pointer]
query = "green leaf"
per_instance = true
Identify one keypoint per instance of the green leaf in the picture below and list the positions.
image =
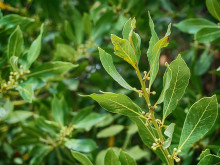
(81, 114)
(107, 63)
(117, 103)
(214, 8)
(13, 20)
(18, 116)
(132, 37)
(90, 120)
(169, 133)
(206, 35)
(35, 49)
(178, 84)
(69, 31)
(111, 158)
(84, 160)
(124, 50)
(110, 131)
(153, 40)
(203, 63)
(26, 91)
(204, 153)
(14, 63)
(126, 159)
(57, 111)
(166, 83)
(81, 145)
(199, 120)
(78, 26)
(15, 43)
(87, 24)
(51, 69)
(210, 159)
(193, 25)
(154, 54)
(39, 152)
(65, 51)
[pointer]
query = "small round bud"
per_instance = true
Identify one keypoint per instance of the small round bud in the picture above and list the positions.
(28, 71)
(169, 156)
(11, 72)
(175, 149)
(145, 72)
(148, 78)
(177, 159)
(155, 107)
(146, 89)
(178, 151)
(5, 85)
(154, 144)
(143, 113)
(149, 105)
(154, 93)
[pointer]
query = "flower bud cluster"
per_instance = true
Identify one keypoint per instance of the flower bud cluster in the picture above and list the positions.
(158, 143)
(159, 123)
(175, 155)
(147, 115)
(145, 76)
(14, 78)
(65, 132)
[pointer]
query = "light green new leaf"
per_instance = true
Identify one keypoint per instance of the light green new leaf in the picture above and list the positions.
(153, 56)
(90, 120)
(214, 8)
(169, 133)
(51, 69)
(26, 91)
(35, 49)
(124, 50)
(84, 160)
(147, 134)
(117, 103)
(39, 152)
(111, 158)
(14, 63)
(110, 131)
(204, 153)
(65, 51)
(57, 111)
(199, 120)
(15, 43)
(81, 145)
(193, 25)
(210, 160)
(78, 26)
(153, 40)
(206, 35)
(132, 37)
(18, 116)
(178, 84)
(126, 159)
(107, 63)
(166, 83)
(69, 31)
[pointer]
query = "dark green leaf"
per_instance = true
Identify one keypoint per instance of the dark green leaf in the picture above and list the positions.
(214, 8)
(84, 160)
(111, 158)
(126, 159)
(57, 111)
(206, 35)
(210, 160)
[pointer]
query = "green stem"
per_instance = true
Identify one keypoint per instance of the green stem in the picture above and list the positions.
(158, 129)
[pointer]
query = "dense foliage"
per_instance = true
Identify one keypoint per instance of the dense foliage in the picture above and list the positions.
(161, 88)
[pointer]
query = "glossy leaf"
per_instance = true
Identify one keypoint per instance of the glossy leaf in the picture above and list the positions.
(117, 103)
(15, 43)
(193, 25)
(169, 133)
(18, 116)
(177, 87)
(214, 8)
(166, 83)
(206, 35)
(123, 49)
(35, 49)
(111, 158)
(14, 63)
(81, 145)
(107, 63)
(84, 160)
(153, 56)
(51, 69)
(199, 120)
(126, 159)
(26, 91)
(210, 159)
(110, 131)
